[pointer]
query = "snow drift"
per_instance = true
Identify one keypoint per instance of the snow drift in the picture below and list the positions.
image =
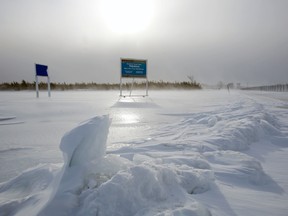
(220, 154)
(27, 193)
(90, 180)
(82, 146)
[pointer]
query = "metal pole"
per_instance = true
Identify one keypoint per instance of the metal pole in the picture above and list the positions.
(146, 86)
(131, 87)
(120, 77)
(36, 82)
(120, 86)
(48, 84)
(37, 88)
(146, 77)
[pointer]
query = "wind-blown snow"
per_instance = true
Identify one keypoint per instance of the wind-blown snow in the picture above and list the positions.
(82, 147)
(182, 153)
(85, 143)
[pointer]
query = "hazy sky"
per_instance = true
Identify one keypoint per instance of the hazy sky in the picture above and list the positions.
(213, 40)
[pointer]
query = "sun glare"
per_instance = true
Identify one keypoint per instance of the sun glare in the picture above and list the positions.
(127, 16)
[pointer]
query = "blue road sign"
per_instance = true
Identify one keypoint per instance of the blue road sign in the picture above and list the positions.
(133, 68)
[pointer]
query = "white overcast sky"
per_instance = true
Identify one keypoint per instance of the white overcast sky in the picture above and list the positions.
(242, 41)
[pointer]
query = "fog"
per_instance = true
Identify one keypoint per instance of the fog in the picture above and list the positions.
(230, 41)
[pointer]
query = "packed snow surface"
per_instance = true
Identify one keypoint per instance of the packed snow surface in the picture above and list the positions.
(196, 153)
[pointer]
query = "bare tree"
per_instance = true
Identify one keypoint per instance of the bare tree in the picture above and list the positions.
(191, 78)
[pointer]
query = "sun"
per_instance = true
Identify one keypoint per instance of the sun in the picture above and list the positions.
(127, 16)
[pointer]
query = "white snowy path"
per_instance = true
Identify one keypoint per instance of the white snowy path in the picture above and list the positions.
(174, 153)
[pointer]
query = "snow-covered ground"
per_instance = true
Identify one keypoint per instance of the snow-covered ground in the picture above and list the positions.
(173, 153)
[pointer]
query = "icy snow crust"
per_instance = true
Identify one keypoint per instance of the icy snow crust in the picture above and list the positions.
(181, 153)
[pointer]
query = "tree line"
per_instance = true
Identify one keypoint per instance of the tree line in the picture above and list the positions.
(157, 85)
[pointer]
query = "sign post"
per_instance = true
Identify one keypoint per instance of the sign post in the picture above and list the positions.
(42, 70)
(133, 68)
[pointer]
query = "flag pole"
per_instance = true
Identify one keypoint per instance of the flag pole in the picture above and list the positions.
(49, 88)
(37, 88)
(36, 82)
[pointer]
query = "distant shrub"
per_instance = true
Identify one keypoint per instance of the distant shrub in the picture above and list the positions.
(156, 85)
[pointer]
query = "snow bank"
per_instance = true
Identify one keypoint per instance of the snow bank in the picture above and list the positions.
(92, 183)
(227, 128)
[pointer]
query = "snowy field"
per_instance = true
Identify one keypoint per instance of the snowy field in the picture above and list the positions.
(173, 153)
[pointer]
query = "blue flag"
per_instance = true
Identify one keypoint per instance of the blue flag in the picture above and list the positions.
(41, 70)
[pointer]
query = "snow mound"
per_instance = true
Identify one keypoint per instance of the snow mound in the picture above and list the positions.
(140, 190)
(87, 142)
(237, 167)
(92, 183)
(30, 188)
(241, 131)
(82, 147)
(219, 130)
